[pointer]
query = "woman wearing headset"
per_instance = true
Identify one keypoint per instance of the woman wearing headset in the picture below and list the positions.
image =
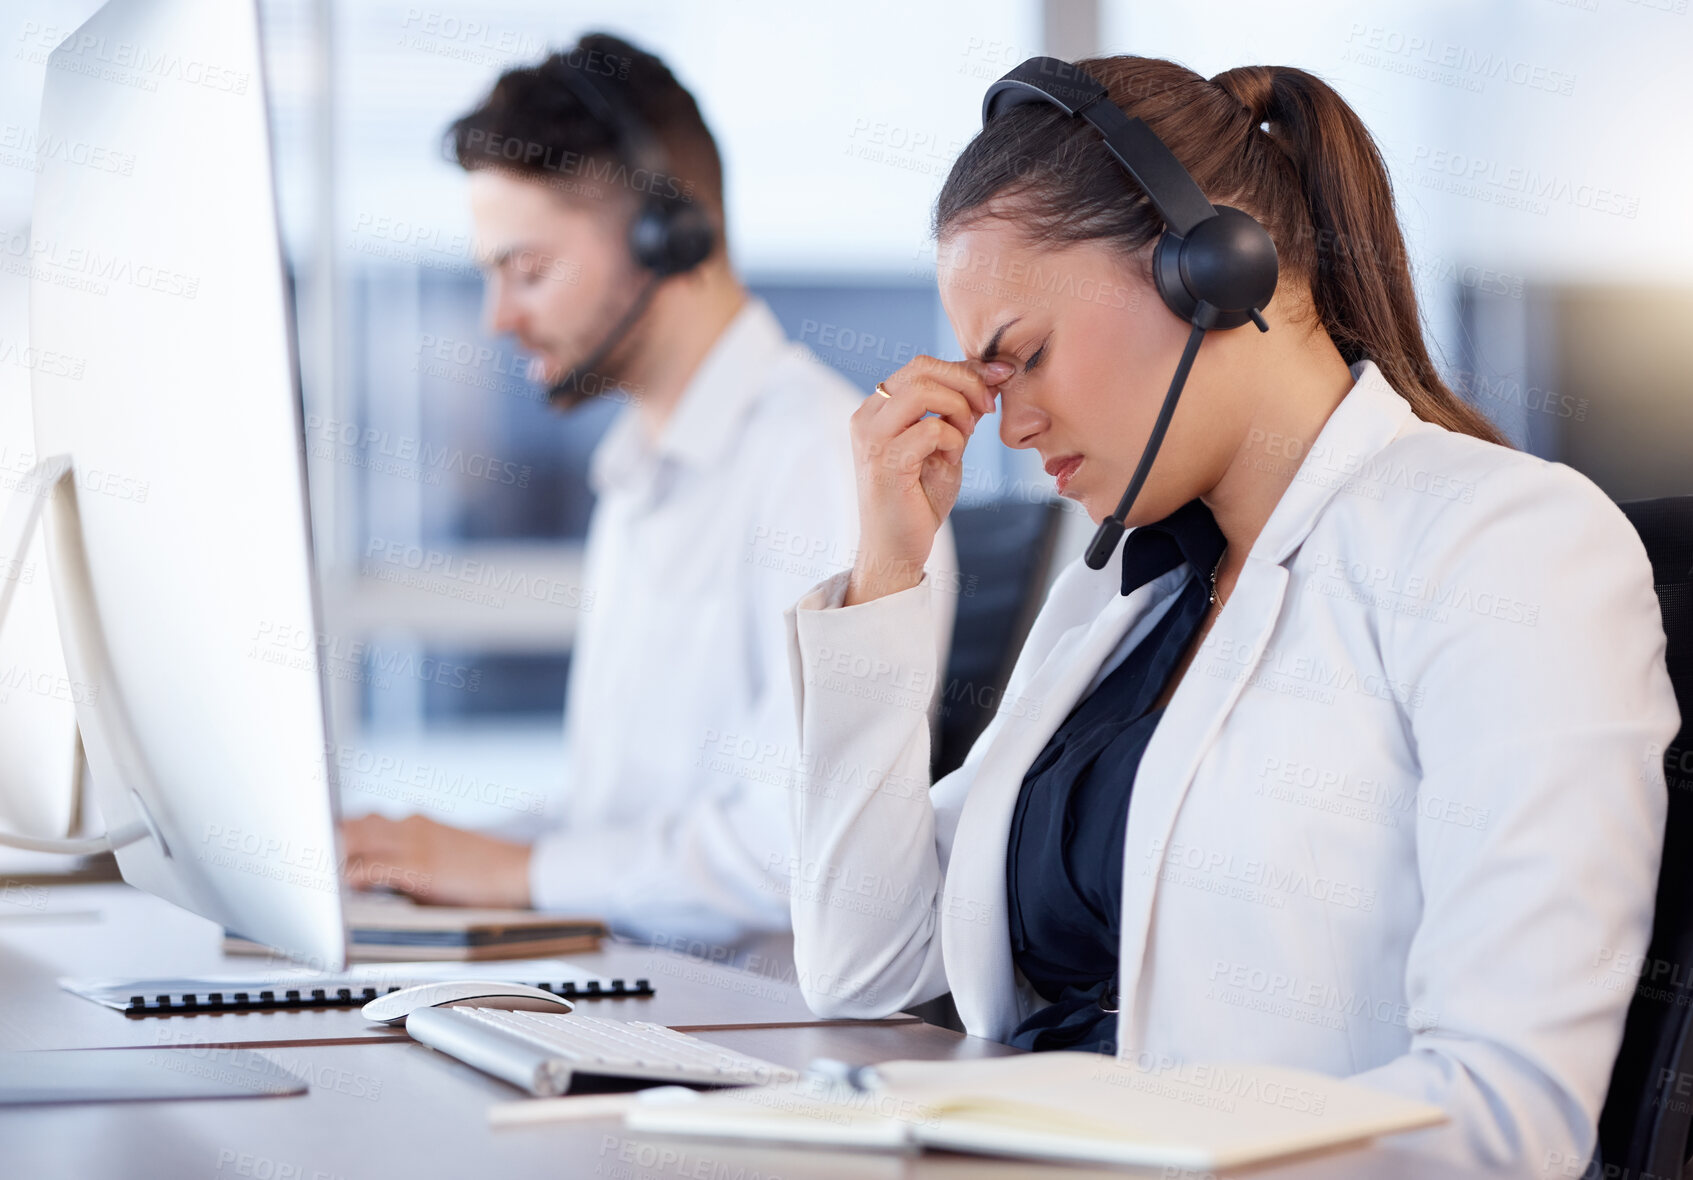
(1352, 762)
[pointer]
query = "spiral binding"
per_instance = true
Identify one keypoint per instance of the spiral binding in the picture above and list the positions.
(272, 999)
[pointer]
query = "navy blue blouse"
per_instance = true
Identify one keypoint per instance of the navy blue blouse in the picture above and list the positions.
(1064, 859)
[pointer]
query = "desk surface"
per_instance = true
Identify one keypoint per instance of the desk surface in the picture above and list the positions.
(400, 1109)
(381, 1105)
(111, 930)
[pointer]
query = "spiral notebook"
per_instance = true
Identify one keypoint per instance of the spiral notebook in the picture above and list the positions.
(284, 988)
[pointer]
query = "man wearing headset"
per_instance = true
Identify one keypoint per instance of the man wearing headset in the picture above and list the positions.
(723, 490)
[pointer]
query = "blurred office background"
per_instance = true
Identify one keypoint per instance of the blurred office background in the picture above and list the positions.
(1537, 146)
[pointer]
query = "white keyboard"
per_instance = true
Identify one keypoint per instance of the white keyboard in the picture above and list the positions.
(541, 1051)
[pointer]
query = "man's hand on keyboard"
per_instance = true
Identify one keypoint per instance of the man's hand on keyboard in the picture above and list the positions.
(435, 863)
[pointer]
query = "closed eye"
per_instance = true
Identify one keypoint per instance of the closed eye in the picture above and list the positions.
(1035, 359)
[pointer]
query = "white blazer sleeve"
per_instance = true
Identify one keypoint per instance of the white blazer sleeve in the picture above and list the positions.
(868, 866)
(1543, 709)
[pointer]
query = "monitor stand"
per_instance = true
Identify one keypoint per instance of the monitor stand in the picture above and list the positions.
(52, 480)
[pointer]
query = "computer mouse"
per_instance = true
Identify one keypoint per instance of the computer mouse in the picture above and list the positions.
(394, 1007)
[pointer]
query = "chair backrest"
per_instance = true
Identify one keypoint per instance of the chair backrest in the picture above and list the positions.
(1004, 551)
(1644, 1127)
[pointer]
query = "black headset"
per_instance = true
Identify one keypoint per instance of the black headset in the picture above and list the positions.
(1214, 266)
(669, 234)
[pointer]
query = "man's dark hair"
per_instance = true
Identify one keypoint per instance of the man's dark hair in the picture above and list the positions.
(533, 124)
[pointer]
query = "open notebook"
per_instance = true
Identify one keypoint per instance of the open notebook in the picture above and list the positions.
(1056, 1106)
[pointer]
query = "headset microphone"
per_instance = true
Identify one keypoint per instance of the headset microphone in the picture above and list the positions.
(669, 234)
(567, 393)
(1214, 266)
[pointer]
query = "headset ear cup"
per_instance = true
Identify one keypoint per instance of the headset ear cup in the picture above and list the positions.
(1167, 276)
(1230, 262)
(670, 240)
(649, 237)
(692, 239)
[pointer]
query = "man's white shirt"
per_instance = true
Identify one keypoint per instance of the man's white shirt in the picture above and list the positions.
(680, 721)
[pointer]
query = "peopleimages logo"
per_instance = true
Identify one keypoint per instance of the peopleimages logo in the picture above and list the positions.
(21, 147)
(1448, 62)
(1266, 875)
(128, 62)
(87, 268)
(529, 153)
(452, 574)
(1514, 185)
(447, 35)
(404, 455)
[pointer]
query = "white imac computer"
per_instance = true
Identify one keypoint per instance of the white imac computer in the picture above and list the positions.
(171, 475)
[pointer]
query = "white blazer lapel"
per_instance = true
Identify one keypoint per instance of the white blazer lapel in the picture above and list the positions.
(977, 949)
(1207, 692)
(1366, 419)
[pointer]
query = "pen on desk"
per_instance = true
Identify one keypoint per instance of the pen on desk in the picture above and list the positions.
(854, 1077)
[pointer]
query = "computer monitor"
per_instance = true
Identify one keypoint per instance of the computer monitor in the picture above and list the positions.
(172, 479)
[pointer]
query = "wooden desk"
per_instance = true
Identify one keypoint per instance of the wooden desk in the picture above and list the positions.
(113, 930)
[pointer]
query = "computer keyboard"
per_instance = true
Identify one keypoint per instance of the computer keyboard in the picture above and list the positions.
(541, 1051)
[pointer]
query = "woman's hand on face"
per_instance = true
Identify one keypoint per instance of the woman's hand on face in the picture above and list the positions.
(909, 448)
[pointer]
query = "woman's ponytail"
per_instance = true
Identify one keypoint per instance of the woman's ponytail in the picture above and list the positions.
(1361, 277)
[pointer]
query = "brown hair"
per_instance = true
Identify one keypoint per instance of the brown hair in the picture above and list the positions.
(1275, 141)
(533, 124)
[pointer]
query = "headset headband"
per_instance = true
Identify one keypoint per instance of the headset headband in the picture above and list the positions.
(1214, 266)
(635, 140)
(1077, 93)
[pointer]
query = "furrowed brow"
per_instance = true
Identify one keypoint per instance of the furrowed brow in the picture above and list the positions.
(992, 349)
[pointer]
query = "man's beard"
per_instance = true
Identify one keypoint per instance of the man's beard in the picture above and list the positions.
(606, 366)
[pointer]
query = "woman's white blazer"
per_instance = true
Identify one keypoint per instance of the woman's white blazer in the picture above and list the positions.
(1402, 818)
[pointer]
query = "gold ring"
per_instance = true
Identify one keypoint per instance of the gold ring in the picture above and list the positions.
(882, 389)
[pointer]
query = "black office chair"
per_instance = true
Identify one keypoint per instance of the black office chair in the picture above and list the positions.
(1005, 549)
(1644, 1127)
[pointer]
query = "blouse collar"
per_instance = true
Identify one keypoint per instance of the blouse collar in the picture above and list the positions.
(1190, 534)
